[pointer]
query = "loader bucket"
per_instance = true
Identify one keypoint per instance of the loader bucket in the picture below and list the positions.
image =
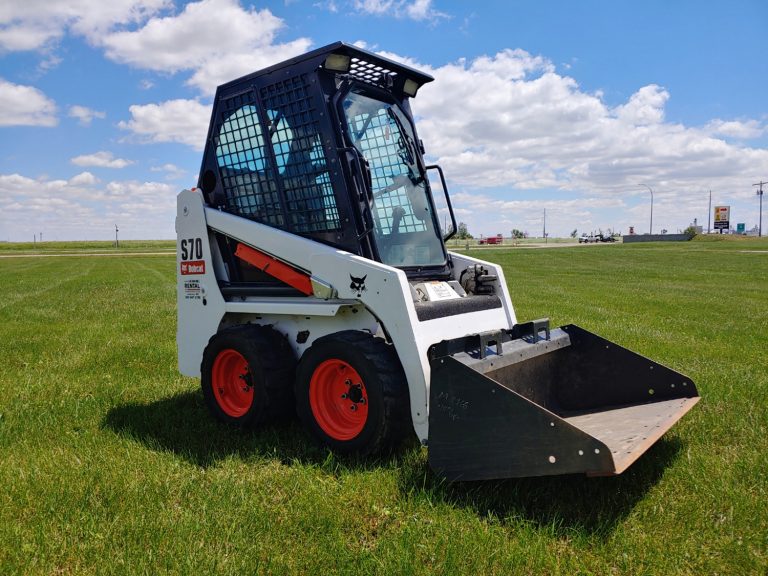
(571, 402)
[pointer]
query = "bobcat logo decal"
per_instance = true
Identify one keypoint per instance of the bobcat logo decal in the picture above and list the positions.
(358, 284)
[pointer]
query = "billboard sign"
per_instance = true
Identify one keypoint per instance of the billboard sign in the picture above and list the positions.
(722, 217)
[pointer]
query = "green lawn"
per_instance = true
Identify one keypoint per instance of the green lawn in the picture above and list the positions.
(87, 247)
(109, 462)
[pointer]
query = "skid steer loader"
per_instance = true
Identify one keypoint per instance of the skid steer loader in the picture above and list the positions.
(313, 276)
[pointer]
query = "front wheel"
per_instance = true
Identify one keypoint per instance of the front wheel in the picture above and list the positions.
(351, 393)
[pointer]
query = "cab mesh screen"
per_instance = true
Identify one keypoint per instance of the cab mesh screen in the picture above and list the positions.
(252, 176)
(296, 140)
(248, 180)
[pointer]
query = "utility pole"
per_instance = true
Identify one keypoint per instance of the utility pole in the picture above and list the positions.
(117, 242)
(760, 195)
(650, 231)
(709, 214)
(544, 232)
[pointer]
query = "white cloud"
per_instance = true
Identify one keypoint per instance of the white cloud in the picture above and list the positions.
(83, 179)
(25, 106)
(50, 62)
(330, 5)
(216, 71)
(217, 40)
(745, 130)
(646, 106)
(511, 120)
(413, 9)
(183, 121)
(422, 10)
(101, 159)
(35, 24)
(78, 208)
(29, 36)
(84, 114)
(172, 172)
(214, 40)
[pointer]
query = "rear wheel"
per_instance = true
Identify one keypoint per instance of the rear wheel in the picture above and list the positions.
(246, 375)
(351, 393)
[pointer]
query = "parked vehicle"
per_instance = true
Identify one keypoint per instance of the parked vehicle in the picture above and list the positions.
(498, 239)
(313, 276)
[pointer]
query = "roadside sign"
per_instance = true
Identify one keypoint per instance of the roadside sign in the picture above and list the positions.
(722, 217)
(741, 227)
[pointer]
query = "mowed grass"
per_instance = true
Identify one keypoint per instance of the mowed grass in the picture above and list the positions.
(86, 247)
(109, 462)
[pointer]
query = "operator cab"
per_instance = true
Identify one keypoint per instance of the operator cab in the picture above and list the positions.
(324, 146)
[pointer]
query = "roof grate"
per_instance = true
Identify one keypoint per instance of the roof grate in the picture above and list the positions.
(371, 73)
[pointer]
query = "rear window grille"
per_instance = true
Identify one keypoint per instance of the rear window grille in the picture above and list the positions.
(300, 159)
(248, 181)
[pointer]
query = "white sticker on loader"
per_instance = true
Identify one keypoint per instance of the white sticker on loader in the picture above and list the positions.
(192, 290)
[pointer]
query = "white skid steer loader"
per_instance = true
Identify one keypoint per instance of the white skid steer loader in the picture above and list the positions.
(313, 276)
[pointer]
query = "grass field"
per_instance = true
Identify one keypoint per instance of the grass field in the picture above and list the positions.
(86, 247)
(109, 462)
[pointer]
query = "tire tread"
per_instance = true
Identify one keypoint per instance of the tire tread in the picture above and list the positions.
(397, 423)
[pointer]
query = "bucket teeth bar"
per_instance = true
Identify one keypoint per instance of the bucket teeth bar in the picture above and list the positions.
(568, 402)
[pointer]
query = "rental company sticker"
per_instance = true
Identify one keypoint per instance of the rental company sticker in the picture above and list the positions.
(192, 290)
(193, 267)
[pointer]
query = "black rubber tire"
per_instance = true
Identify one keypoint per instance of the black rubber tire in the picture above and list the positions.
(389, 413)
(272, 368)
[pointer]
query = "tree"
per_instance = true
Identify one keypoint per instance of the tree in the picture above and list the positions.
(463, 232)
(517, 234)
(574, 233)
(691, 231)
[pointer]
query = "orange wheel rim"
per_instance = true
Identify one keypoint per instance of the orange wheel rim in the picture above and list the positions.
(232, 384)
(338, 399)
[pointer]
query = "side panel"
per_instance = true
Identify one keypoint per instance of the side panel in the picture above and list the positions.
(201, 308)
(200, 305)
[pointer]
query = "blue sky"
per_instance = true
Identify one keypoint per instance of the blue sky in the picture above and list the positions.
(572, 107)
